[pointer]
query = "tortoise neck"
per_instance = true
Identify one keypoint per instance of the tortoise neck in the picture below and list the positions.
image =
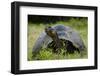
(57, 40)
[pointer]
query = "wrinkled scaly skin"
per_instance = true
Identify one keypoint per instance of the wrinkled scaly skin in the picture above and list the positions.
(53, 34)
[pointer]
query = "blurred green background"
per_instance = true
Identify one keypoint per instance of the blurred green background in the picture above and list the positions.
(37, 23)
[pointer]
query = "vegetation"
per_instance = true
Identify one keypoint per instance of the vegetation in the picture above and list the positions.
(34, 30)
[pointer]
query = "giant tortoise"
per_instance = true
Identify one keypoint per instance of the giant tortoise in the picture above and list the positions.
(59, 36)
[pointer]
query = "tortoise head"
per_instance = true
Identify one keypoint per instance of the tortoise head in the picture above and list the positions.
(50, 31)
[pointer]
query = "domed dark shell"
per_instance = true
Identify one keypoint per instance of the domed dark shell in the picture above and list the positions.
(64, 32)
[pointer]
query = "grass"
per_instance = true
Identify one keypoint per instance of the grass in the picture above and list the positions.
(34, 30)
